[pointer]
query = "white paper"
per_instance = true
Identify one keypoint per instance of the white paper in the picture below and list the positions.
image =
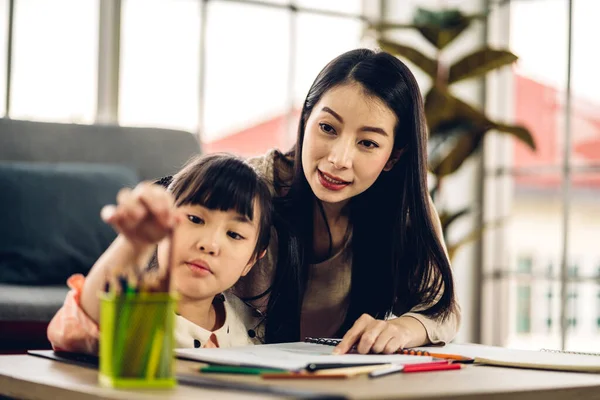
(289, 356)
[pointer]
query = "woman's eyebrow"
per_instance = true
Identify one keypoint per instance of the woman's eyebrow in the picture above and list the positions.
(373, 129)
(335, 115)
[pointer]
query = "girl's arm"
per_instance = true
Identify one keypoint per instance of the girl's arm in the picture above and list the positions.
(120, 253)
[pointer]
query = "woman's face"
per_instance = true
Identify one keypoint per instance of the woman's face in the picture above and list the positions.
(348, 142)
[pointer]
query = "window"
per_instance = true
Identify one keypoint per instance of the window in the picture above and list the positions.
(55, 60)
(527, 188)
(3, 50)
(320, 39)
(246, 98)
(344, 6)
(523, 309)
(524, 267)
(275, 76)
(598, 311)
(549, 318)
(598, 300)
(160, 45)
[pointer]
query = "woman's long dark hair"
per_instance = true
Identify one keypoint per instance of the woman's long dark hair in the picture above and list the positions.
(398, 261)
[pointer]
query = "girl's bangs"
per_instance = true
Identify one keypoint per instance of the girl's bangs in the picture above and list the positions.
(218, 184)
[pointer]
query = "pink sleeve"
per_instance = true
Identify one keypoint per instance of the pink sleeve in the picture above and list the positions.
(71, 329)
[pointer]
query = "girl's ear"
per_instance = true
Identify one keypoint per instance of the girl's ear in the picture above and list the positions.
(248, 267)
(253, 261)
(394, 157)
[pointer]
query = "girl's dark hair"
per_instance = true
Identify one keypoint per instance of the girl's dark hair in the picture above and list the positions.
(224, 182)
(398, 261)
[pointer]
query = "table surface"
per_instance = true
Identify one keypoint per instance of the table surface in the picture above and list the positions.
(30, 377)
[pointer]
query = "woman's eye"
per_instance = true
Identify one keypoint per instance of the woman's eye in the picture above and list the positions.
(369, 144)
(235, 235)
(195, 219)
(328, 129)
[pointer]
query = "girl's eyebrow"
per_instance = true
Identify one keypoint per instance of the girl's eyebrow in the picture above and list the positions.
(243, 218)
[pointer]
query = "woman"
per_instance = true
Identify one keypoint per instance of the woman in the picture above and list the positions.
(357, 250)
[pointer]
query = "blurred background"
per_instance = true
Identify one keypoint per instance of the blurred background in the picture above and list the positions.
(520, 207)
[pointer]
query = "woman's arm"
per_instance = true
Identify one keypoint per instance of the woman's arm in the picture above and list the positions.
(411, 329)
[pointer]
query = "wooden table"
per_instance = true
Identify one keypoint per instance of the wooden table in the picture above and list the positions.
(25, 376)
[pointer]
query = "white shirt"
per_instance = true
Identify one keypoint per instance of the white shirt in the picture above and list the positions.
(237, 330)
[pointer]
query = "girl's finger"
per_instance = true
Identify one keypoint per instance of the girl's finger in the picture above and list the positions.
(123, 195)
(108, 213)
(370, 336)
(160, 205)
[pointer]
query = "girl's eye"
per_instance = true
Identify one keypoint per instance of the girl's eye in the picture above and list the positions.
(328, 129)
(195, 219)
(235, 235)
(369, 144)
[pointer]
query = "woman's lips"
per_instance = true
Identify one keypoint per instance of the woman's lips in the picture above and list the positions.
(331, 182)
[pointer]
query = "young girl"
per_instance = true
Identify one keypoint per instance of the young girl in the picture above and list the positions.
(359, 253)
(216, 211)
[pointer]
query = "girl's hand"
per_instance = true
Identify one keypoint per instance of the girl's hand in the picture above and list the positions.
(372, 335)
(144, 215)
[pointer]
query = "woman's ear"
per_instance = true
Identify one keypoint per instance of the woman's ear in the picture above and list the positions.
(262, 254)
(394, 157)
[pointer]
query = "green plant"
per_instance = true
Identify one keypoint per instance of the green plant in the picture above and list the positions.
(456, 129)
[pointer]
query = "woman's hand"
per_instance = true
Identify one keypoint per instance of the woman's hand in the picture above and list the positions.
(371, 335)
(144, 215)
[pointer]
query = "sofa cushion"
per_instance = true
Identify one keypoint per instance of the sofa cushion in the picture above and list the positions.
(50, 213)
(30, 303)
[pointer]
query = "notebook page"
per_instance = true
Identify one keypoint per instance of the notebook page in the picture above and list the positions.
(291, 356)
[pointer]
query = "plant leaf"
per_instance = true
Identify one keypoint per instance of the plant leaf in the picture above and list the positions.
(440, 27)
(440, 37)
(472, 236)
(443, 109)
(464, 144)
(479, 63)
(447, 219)
(520, 132)
(445, 114)
(425, 63)
(386, 26)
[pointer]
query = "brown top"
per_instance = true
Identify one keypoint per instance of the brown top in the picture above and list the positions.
(328, 287)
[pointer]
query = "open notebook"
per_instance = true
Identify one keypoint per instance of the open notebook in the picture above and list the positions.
(531, 359)
(290, 356)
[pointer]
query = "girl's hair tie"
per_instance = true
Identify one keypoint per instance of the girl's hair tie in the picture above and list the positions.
(165, 181)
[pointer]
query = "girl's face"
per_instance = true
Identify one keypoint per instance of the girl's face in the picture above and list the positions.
(212, 250)
(348, 141)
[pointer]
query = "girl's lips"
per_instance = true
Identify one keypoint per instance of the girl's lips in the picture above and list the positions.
(331, 184)
(198, 269)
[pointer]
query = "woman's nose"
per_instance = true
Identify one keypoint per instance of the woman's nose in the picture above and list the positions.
(341, 154)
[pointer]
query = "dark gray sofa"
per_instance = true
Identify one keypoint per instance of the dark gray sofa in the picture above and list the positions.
(53, 180)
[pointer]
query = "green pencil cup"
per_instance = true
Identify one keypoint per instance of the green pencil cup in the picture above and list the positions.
(137, 340)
